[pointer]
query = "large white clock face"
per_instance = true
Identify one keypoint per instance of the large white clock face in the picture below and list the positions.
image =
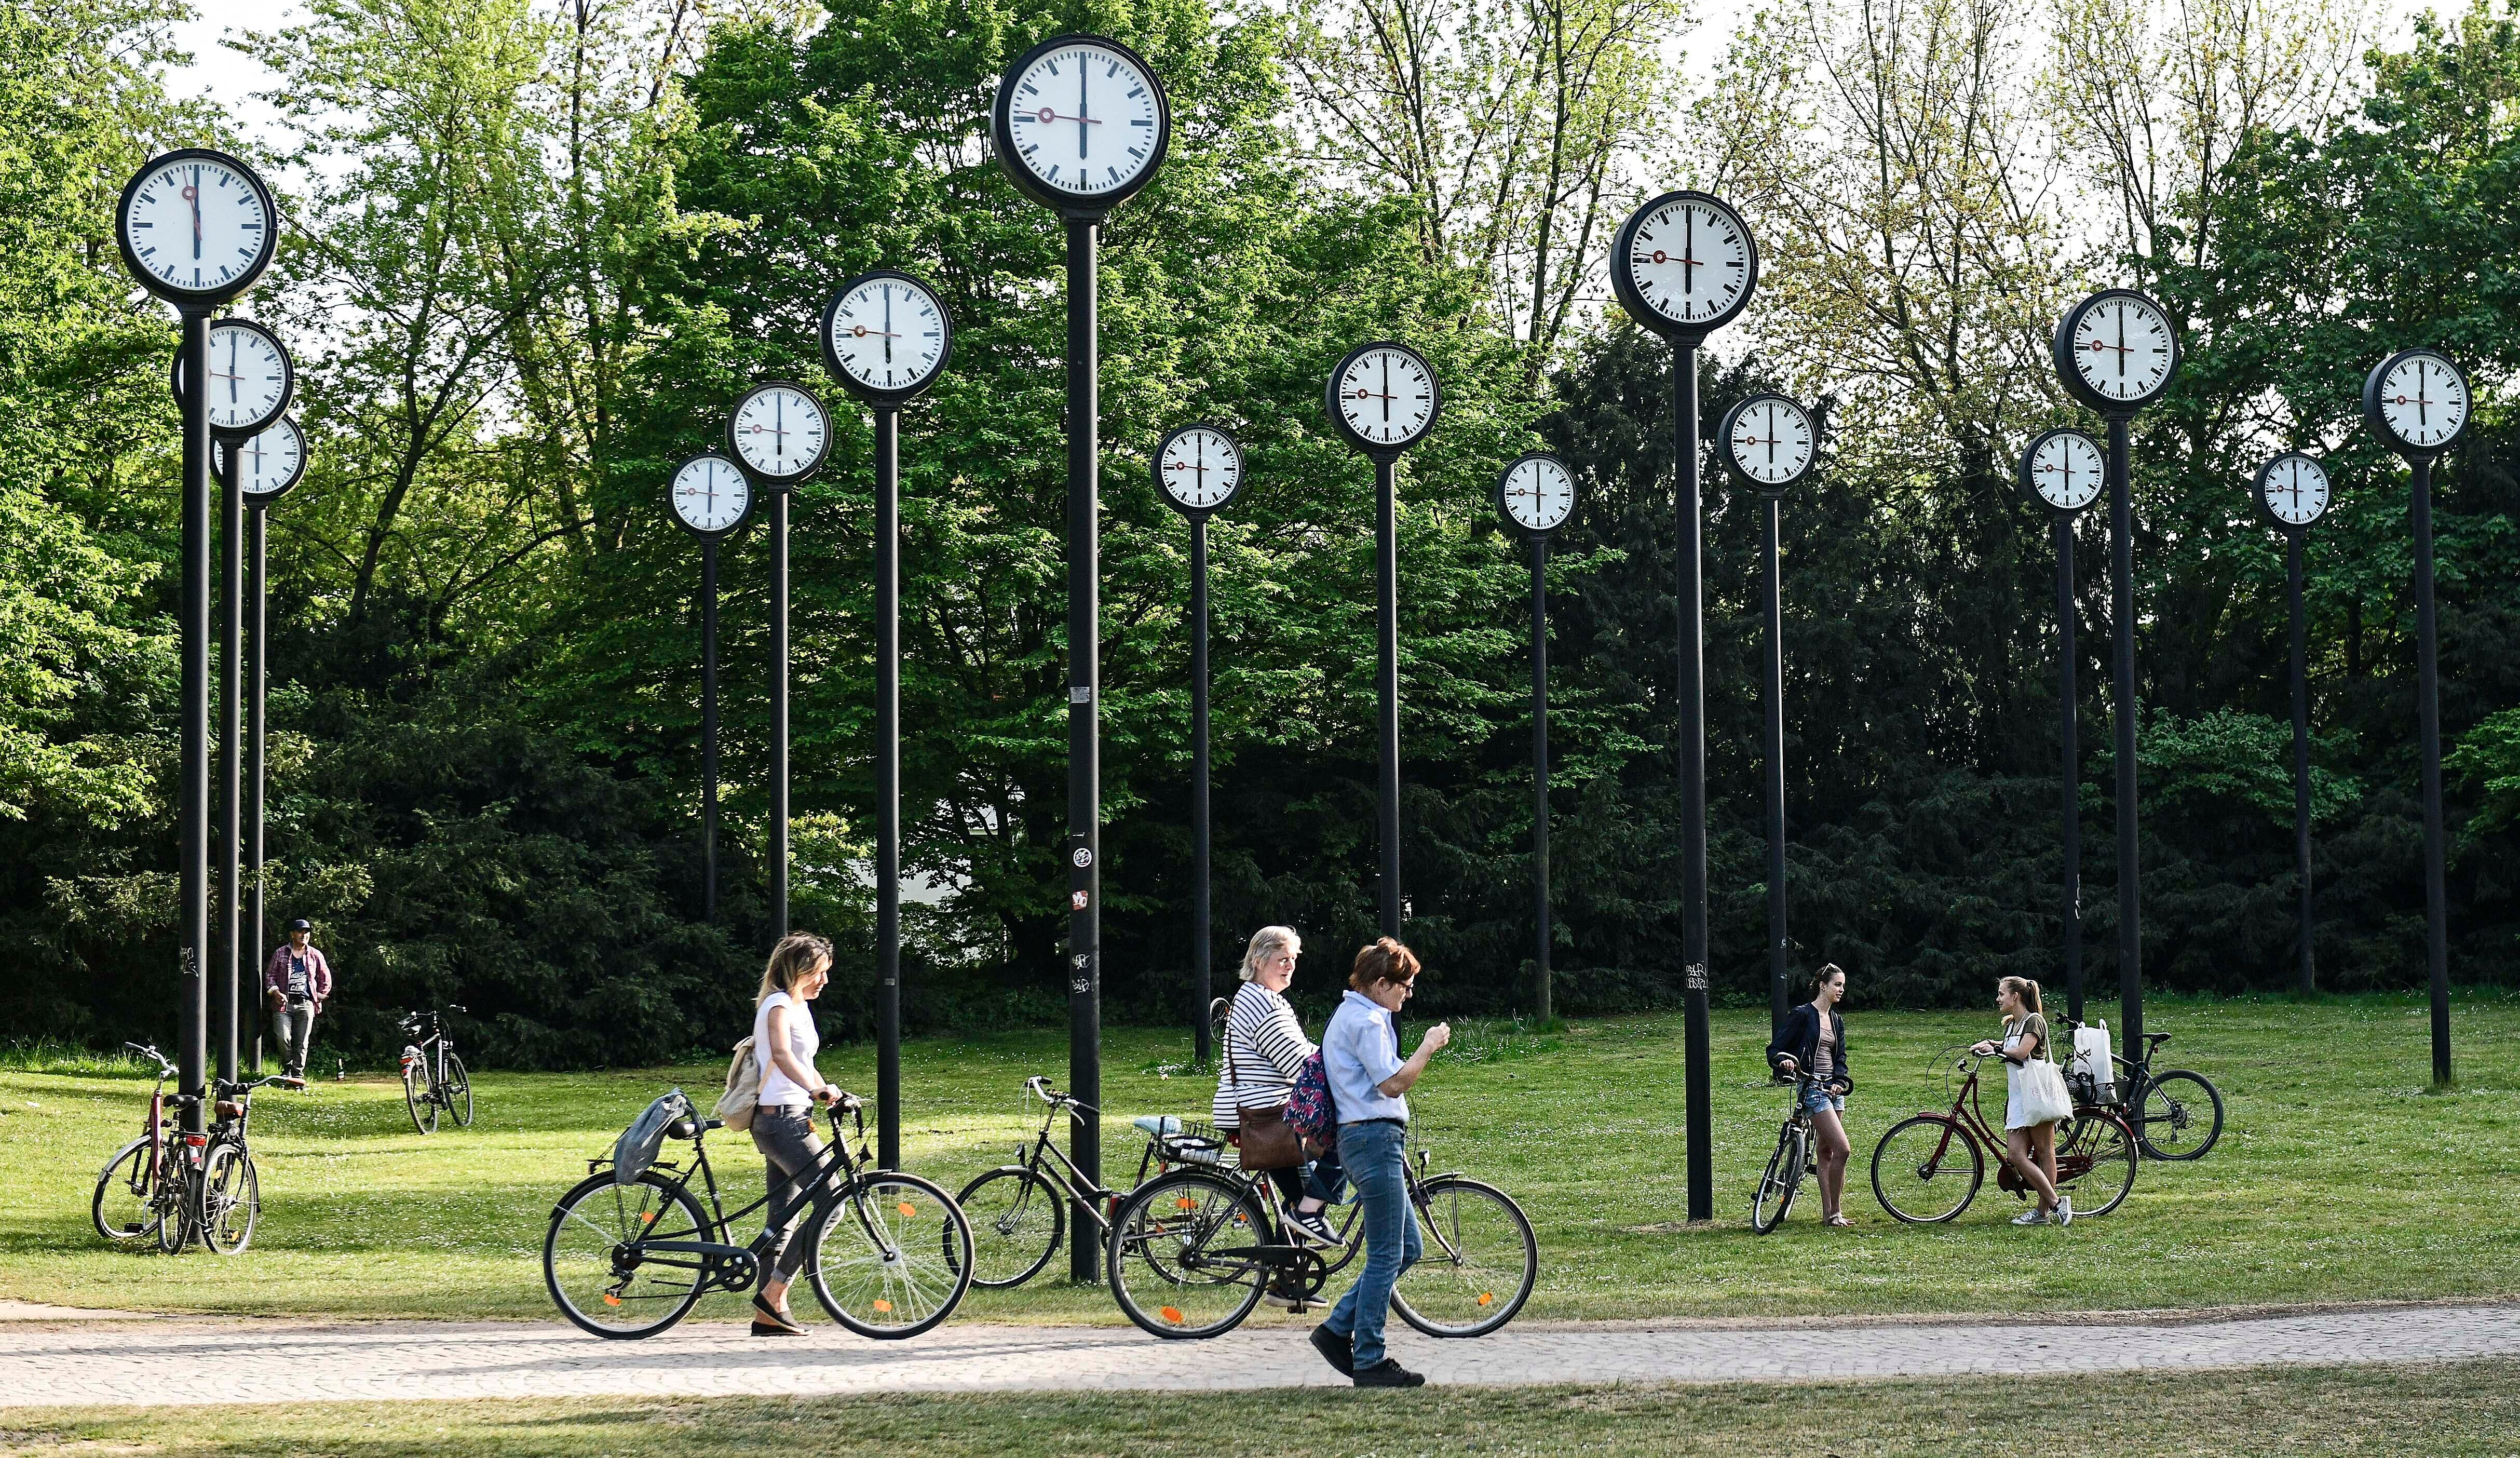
(1084, 119)
(885, 333)
(1199, 467)
(269, 463)
(197, 225)
(2066, 470)
(1538, 493)
(2123, 349)
(1771, 441)
(710, 494)
(2423, 399)
(780, 432)
(2294, 488)
(250, 378)
(1690, 260)
(1386, 394)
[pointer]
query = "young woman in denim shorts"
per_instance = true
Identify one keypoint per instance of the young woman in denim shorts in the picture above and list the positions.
(1813, 1037)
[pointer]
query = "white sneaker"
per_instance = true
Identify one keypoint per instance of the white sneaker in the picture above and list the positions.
(2031, 1216)
(2064, 1209)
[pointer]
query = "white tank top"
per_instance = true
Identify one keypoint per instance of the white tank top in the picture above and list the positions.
(777, 1088)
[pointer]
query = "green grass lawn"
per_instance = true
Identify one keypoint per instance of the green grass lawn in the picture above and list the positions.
(2446, 1411)
(2340, 1177)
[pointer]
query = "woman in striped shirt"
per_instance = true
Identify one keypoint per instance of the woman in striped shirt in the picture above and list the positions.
(1265, 1048)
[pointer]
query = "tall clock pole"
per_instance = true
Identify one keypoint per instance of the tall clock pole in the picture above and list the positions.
(2428, 714)
(231, 763)
(2123, 713)
(257, 731)
(778, 927)
(2069, 752)
(2306, 961)
(1084, 722)
(1542, 934)
(1202, 931)
(887, 785)
(193, 996)
(708, 729)
(1386, 680)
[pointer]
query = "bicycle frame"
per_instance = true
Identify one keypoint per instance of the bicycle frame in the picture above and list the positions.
(726, 1265)
(1099, 1202)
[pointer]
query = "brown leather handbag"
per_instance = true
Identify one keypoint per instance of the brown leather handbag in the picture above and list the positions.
(1265, 1140)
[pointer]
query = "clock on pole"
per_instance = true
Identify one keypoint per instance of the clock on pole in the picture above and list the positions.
(1198, 471)
(710, 496)
(2062, 472)
(2292, 492)
(1383, 399)
(1683, 265)
(1537, 496)
(2417, 403)
(2117, 351)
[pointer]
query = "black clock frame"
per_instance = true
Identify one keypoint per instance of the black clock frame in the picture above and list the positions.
(2258, 489)
(2030, 488)
(195, 299)
(1375, 449)
(1505, 477)
(1071, 204)
(820, 454)
(752, 496)
(1155, 470)
(176, 382)
(1733, 465)
(2070, 375)
(2379, 420)
(881, 398)
(1623, 283)
(221, 448)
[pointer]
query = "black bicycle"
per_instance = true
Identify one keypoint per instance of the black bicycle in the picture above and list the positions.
(432, 1076)
(227, 1191)
(889, 1254)
(1019, 1212)
(2176, 1113)
(1789, 1166)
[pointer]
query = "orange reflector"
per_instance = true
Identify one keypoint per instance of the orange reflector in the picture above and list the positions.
(1485, 1298)
(1173, 1315)
(647, 1218)
(884, 1305)
(1186, 1202)
(610, 1300)
(908, 1210)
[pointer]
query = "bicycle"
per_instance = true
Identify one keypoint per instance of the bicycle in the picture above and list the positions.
(140, 1187)
(889, 1254)
(1192, 1251)
(172, 1186)
(1917, 1156)
(1019, 1213)
(445, 1085)
(227, 1191)
(1789, 1166)
(2177, 1114)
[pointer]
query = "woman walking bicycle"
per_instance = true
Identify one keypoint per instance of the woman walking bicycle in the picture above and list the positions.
(2037, 1099)
(784, 1041)
(1813, 1038)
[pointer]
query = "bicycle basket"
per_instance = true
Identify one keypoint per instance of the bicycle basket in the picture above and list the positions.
(1185, 1141)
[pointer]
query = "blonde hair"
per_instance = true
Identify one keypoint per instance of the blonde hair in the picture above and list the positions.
(1266, 943)
(797, 955)
(2023, 989)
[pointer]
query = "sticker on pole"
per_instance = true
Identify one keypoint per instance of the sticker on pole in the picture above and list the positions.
(1081, 858)
(1696, 978)
(1078, 900)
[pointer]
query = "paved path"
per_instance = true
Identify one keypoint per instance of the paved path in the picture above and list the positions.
(193, 1361)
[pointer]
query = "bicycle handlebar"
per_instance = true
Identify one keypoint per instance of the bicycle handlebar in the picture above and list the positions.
(165, 1070)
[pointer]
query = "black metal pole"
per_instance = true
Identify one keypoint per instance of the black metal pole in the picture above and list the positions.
(778, 927)
(1780, 974)
(887, 786)
(1386, 586)
(2301, 758)
(1540, 988)
(193, 874)
(708, 728)
(257, 675)
(1692, 782)
(230, 957)
(2070, 757)
(1083, 735)
(2428, 708)
(2122, 714)
(1201, 930)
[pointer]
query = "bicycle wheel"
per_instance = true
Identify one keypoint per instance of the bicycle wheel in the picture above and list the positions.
(1479, 1263)
(1185, 1257)
(594, 1266)
(231, 1200)
(2180, 1116)
(124, 1206)
(2100, 1169)
(1783, 1181)
(459, 1091)
(414, 1094)
(175, 1195)
(1016, 1220)
(891, 1256)
(1917, 1170)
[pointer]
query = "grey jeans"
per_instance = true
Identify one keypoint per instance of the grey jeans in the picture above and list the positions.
(293, 1026)
(786, 1139)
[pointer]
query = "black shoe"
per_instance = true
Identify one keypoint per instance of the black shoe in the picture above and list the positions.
(1338, 1350)
(1389, 1374)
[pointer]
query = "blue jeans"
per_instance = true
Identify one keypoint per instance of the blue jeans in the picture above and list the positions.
(1374, 1154)
(1823, 1101)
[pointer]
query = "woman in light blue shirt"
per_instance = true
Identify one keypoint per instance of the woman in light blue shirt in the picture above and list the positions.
(1370, 1081)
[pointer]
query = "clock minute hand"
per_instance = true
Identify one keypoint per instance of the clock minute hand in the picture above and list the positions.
(193, 194)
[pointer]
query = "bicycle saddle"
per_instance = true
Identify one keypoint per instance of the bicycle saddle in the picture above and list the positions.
(2155, 1040)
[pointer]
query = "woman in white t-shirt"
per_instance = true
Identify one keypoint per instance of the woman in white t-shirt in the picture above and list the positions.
(784, 1044)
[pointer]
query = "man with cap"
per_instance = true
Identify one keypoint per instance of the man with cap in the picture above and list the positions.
(295, 984)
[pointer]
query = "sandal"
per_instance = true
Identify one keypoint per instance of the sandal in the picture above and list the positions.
(770, 1321)
(1837, 1220)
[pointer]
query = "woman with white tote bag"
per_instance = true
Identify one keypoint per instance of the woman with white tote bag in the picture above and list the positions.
(2038, 1098)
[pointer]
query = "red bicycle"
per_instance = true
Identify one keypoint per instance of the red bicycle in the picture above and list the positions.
(1929, 1166)
(141, 1190)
